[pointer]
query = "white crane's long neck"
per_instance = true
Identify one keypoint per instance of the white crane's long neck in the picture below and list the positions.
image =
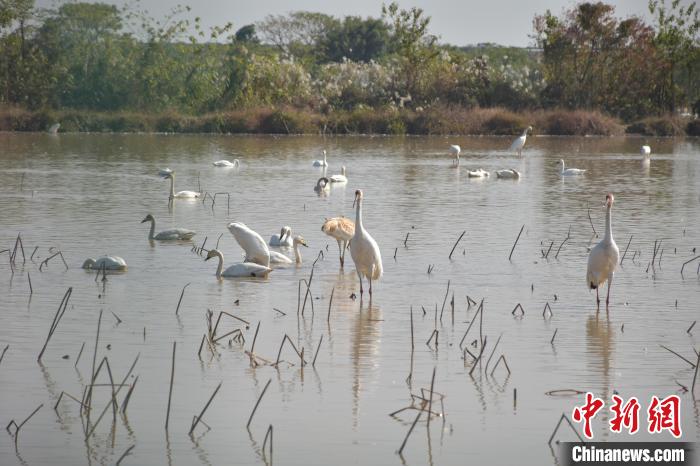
(221, 264)
(563, 168)
(608, 224)
(297, 253)
(358, 216)
(153, 229)
(172, 186)
(525, 133)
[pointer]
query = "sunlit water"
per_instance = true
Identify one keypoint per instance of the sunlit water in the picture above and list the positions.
(86, 194)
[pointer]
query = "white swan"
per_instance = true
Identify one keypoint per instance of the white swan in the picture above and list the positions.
(569, 171)
(226, 164)
(478, 173)
(284, 239)
(167, 235)
(180, 194)
(342, 229)
(603, 258)
(321, 163)
(164, 172)
(455, 150)
(239, 270)
(279, 258)
(323, 185)
(364, 250)
(519, 143)
(106, 263)
(251, 242)
(645, 151)
(340, 178)
(508, 174)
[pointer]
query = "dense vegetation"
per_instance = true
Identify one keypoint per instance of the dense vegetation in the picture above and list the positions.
(96, 66)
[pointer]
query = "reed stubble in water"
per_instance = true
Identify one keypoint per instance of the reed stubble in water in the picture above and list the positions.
(56, 319)
(170, 391)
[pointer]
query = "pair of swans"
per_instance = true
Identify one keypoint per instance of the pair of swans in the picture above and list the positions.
(174, 234)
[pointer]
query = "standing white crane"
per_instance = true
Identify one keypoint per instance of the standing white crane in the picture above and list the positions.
(180, 194)
(603, 258)
(342, 229)
(364, 250)
(252, 243)
(519, 143)
(455, 150)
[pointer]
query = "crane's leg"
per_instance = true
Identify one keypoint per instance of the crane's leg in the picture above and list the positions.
(607, 298)
(360, 277)
(370, 289)
(340, 254)
(597, 296)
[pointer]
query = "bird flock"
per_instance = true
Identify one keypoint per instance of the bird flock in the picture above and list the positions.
(259, 259)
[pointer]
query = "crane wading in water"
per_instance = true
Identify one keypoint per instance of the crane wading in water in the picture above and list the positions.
(364, 250)
(603, 258)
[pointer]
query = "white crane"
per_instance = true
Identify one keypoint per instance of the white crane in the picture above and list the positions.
(569, 171)
(603, 258)
(455, 150)
(519, 143)
(342, 229)
(252, 243)
(239, 270)
(167, 235)
(364, 250)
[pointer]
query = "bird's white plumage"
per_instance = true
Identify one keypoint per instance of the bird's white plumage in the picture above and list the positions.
(603, 258)
(164, 172)
(321, 163)
(278, 258)
(339, 178)
(238, 270)
(645, 151)
(519, 143)
(364, 250)
(455, 150)
(226, 163)
(106, 263)
(284, 239)
(569, 171)
(478, 173)
(251, 242)
(180, 194)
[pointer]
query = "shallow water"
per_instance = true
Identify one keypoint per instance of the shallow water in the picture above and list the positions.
(86, 194)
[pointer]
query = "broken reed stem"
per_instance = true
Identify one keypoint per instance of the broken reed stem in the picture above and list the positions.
(406, 239)
(434, 334)
(562, 418)
(408, 434)
(170, 391)
(56, 319)
(88, 399)
(79, 354)
(688, 331)
(18, 427)
(268, 433)
(194, 424)
(177, 309)
(625, 253)
(444, 300)
(488, 361)
(125, 404)
(478, 359)
(313, 363)
(671, 351)
(695, 376)
(330, 303)
(412, 344)
(255, 337)
(478, 312)
(201, 345)
(3, 352)
(551, 342)
(516, 242)
(31, 289)
(688, 262)
(568, 237)
(456, 243)
(125, 454)
(250, 419)
(502, 358)
(430, 402)
(591, 221)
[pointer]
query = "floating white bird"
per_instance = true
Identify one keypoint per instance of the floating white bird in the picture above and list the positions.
(455, 150)
(226, 163)
(645, 151)
(570, 171)
(478, 173)
(180, 194)
(106, 263)
(167, 235)
(321, 163)
(364, 250)
(239, 270)
(323, 185)
(602, 260)
(279, 258)
(53, 129)
(508, 174)
(342, 229)
(519, 143)
(284, 239)
(340, 178)
(164, 172)
(252, 244)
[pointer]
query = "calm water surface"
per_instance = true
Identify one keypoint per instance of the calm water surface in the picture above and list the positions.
(86, 194)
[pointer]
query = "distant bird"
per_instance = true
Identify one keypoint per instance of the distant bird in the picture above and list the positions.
(340, 178)
(180, 194)
(364, 250)
(508, 174)
(279, 258)
(478, 173)
(519, 143)
(323, 185)
(645, 151)
(570, 171)
(253, 245)
(53, 129)
(106, 263)
(239, 270)
(226, 163)
(321, 163)
(284, 239)
(603, 258)
(455, 150)
(342, 229)
(167, 235)
(164, 172)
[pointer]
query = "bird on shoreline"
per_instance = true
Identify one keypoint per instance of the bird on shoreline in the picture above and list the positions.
(603, 258)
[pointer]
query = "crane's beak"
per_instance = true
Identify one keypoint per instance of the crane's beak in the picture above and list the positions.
(303, 243)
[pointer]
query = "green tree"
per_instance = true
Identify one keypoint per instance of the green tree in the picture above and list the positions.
(300, 34)
(356, 39)
(247, 34)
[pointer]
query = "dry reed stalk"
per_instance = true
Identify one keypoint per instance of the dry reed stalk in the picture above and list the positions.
(19, 427)
(179, 301)
(250, 419)
(125, 454)
(562, 418)
(194, 424)
(170, 391)
(456, 243)
(516, 242)
(56, 319)
(313, 364)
